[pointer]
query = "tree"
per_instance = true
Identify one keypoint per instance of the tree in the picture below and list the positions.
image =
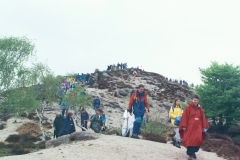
(220, 95)
(18, 82)
(14, 52)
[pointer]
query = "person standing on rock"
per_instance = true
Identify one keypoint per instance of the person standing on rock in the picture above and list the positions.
(68, 126)
(193, 126)
(84, 118)
(96, 121)
(96, 103)
(138, 104)
(57, 124)
(175, 112)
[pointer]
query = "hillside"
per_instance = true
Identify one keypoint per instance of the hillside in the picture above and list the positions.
(114, 90)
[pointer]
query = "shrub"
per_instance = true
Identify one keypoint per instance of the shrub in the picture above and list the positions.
(155, 131)
(13, 138)
(18, 149)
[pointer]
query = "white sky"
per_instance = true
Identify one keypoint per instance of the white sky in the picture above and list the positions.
(170, 37)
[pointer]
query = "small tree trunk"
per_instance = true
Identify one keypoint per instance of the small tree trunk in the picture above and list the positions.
(40, 116)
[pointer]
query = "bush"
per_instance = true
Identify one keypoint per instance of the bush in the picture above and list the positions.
(155, 131)
(13, 138)
(18, 150)
(222, 145)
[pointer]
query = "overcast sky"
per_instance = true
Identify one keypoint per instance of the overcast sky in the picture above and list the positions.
(170, 37)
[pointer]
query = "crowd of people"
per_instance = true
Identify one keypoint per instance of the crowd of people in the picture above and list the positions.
(189, 124)
(117, 67)
(181, 82)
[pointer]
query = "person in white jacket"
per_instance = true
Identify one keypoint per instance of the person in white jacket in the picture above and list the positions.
(127, 127)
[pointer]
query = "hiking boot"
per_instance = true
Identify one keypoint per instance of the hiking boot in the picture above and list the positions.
(135, 136)
(174, 141)
(190, 158)
(178, 145)
(194, 156)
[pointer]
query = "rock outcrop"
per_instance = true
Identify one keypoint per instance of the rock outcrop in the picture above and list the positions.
(114, 88)
(77, 136)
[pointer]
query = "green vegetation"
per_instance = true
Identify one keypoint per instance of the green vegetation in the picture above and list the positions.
(220, 95)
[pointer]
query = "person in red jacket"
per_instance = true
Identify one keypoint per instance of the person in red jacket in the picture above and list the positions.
(138, 105)
(192, 127)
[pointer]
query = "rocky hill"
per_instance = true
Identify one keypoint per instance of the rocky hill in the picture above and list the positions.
(114, 88)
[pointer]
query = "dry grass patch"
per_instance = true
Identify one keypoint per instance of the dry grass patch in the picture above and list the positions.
(31, 129)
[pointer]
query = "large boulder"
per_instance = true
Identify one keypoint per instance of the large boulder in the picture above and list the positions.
(76, 136)
(57, 142)
(122, 92)
(84, 136)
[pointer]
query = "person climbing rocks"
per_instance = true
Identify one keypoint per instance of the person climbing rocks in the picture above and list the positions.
(68, 126)
(64, 105)
(138, 104)
(127, 128)
(96, 103)
(84, 118)
(175, 112)
(96, 121)
(134, 73)
(57, 124)
(193, 126)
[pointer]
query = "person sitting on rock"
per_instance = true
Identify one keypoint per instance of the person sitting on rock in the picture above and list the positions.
(96, 121)
(175, 112)
(84, 119)
(57, 124)
(96, 103)
(138, 104)
(68, 126)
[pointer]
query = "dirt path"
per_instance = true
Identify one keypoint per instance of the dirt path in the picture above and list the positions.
(113, 148)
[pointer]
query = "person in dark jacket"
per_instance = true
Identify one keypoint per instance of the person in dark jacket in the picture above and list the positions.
(57, 124)
(138, 104)
(87, 77)
(96, 121)
(84, 118)
(68, 126)
(96, 103)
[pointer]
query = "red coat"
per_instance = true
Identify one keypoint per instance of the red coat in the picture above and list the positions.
(195, 121)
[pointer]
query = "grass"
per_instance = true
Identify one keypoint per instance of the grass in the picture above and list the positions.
(23, 142)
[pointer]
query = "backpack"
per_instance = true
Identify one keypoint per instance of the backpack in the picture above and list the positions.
(169, 119)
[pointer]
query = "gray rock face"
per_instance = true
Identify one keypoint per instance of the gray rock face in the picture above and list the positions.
(122, 92)
(77, 136)
(84, 136)
(95, 85)
(57, 142)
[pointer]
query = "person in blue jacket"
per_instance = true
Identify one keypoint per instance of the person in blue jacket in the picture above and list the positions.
(83, 78)
(96, 103)
(68, 126)
(78, 78)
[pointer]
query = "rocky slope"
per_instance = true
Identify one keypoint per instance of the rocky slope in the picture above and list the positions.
(114, 90)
